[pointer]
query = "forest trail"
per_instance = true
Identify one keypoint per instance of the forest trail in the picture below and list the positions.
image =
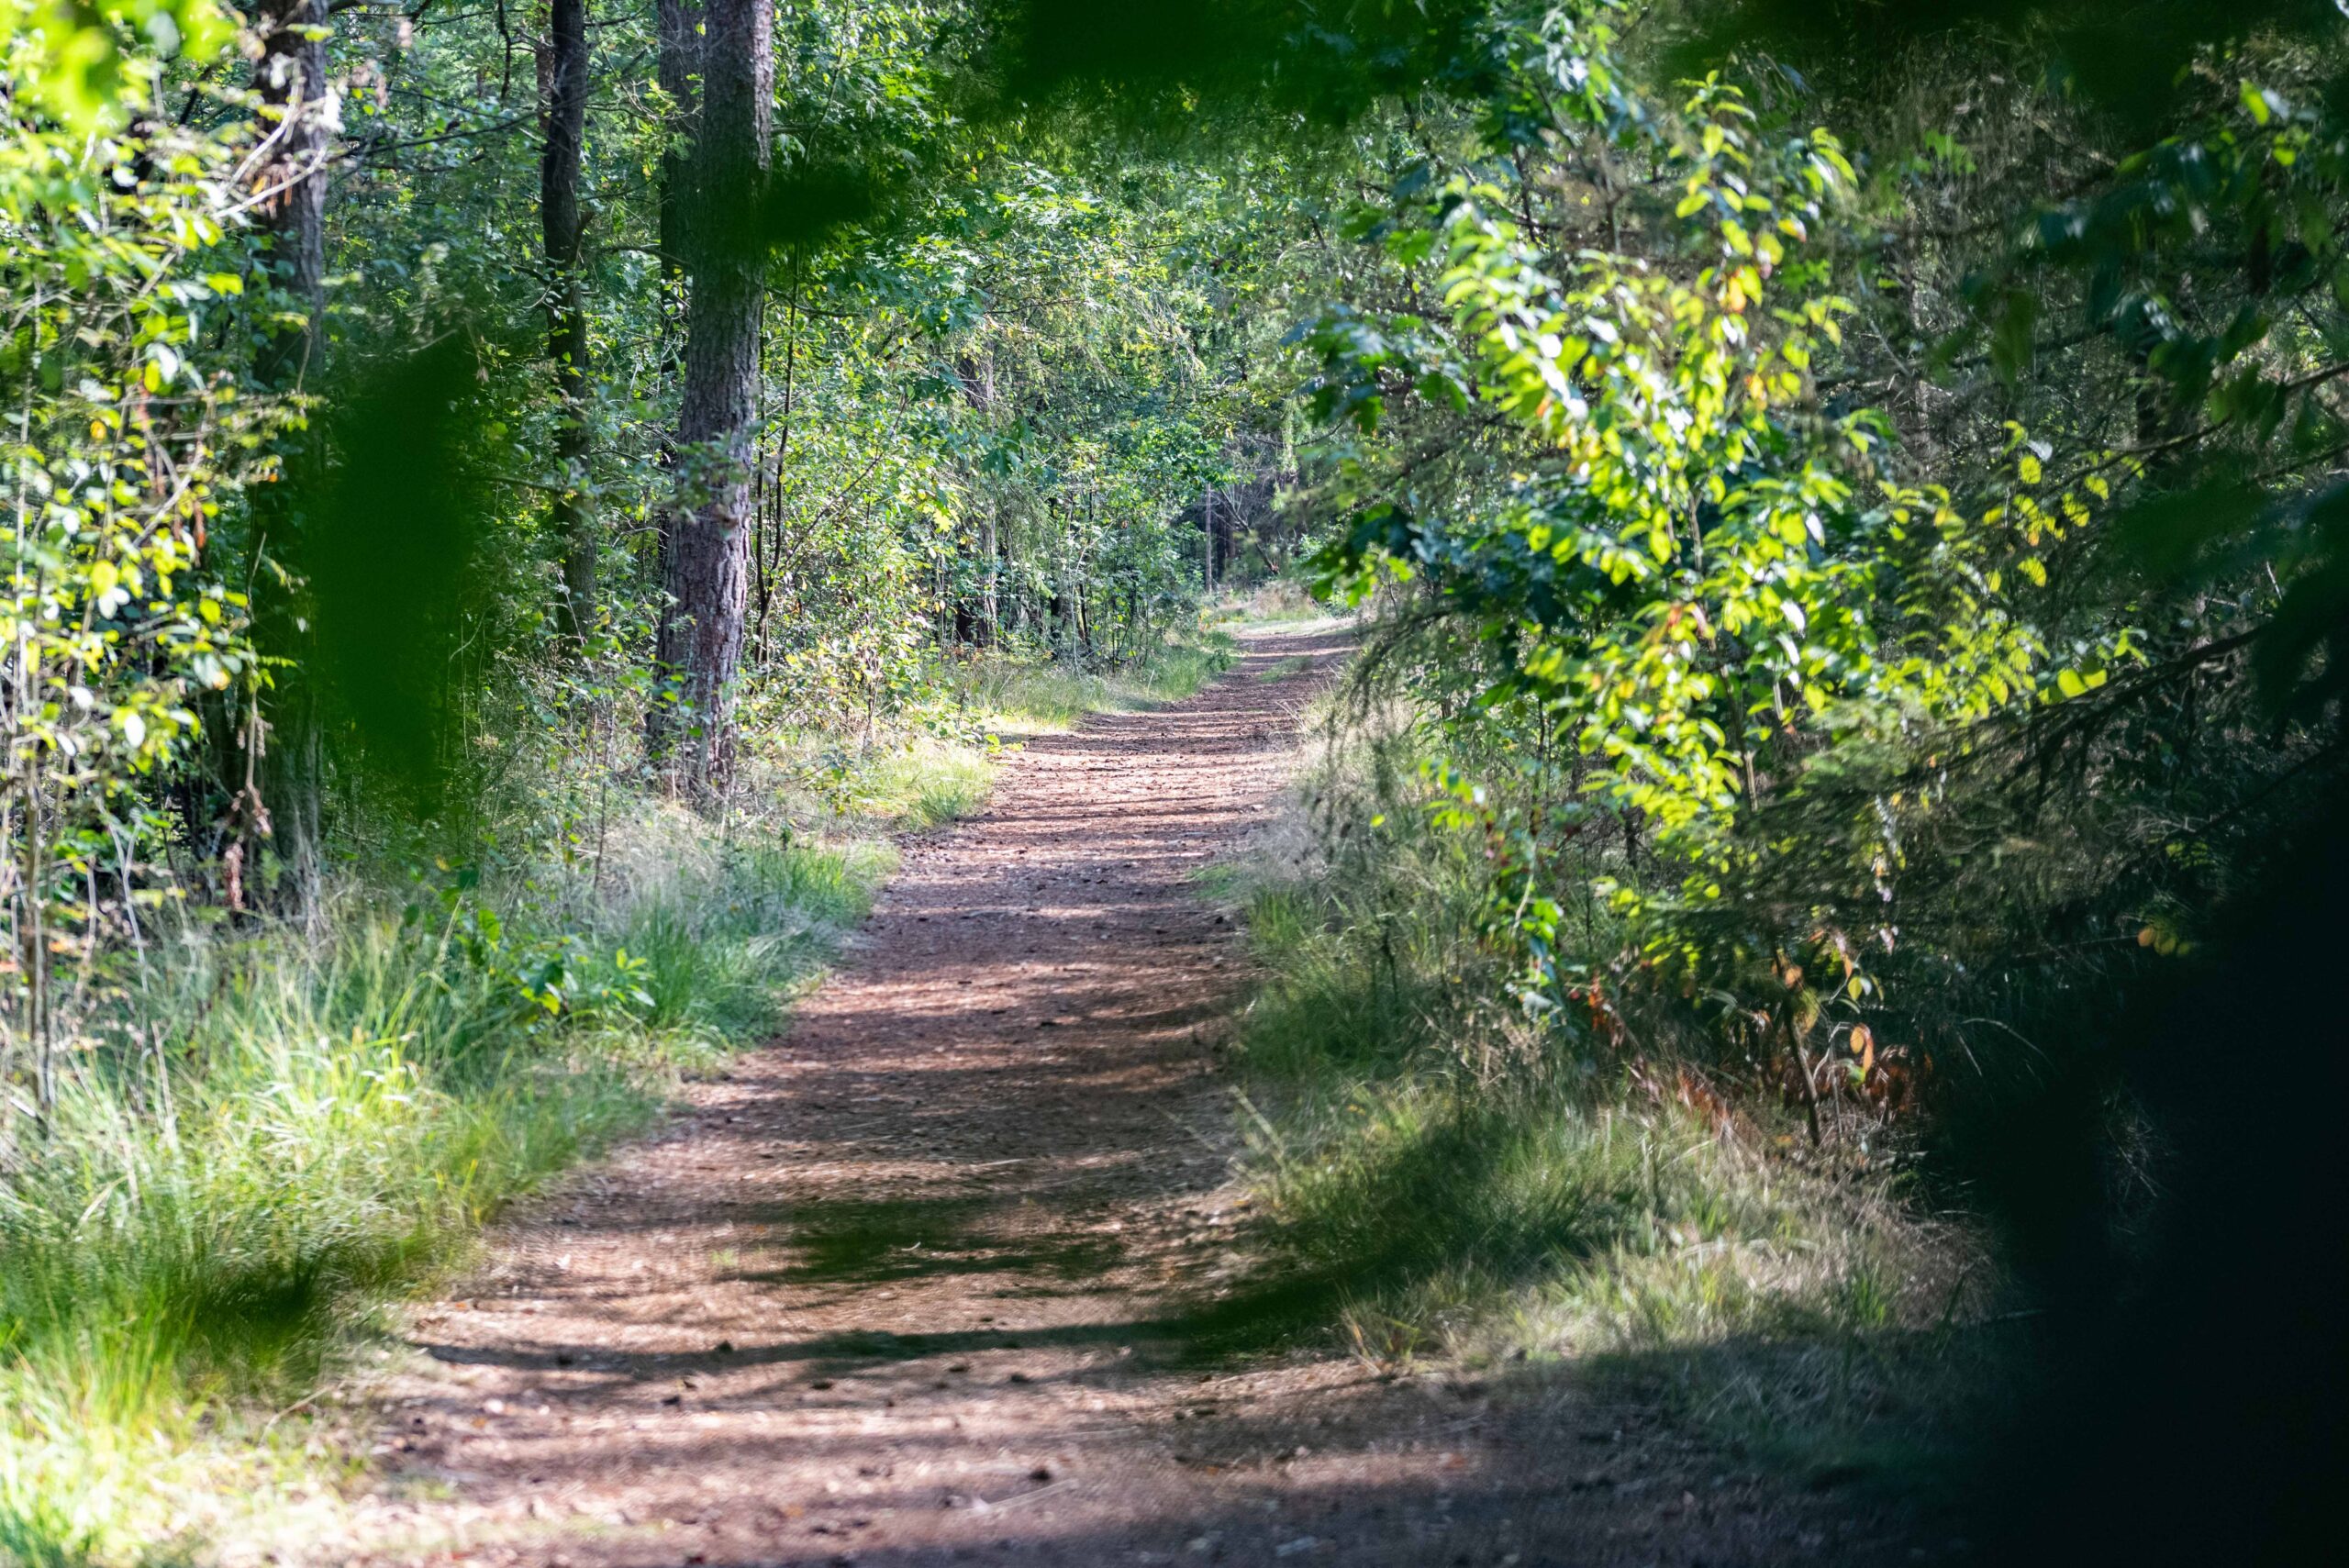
(895, 1288)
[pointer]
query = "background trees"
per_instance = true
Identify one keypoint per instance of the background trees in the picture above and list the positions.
(530, 379)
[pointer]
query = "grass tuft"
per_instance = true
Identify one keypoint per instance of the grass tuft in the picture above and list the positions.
(929, 783)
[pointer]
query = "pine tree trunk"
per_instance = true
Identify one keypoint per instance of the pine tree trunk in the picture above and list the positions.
(291, 80)
(676, 67)
(566, 132)
(706, 568)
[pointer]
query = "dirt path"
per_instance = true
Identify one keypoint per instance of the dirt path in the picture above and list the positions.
(891, 1292)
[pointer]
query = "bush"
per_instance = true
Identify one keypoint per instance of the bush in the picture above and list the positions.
(1437, 1172)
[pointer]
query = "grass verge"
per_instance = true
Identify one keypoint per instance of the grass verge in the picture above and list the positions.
(268, 1135)
(1436, 1178)
(288, 1130)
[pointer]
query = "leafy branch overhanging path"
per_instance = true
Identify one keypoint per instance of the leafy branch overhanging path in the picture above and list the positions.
(896, 1288)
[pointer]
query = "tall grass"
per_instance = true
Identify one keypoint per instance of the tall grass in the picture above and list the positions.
(324, 1118)
(286, 1127)
(1439, 1176)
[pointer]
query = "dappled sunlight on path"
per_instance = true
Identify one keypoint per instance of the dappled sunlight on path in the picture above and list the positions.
(901, 1288)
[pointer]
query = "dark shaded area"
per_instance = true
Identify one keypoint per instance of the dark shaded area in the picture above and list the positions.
(389, 554)
(2190, 1385)
(832, 1354)
(884, 1241)
(804, 205)
(1327, 62)
(2129, 57)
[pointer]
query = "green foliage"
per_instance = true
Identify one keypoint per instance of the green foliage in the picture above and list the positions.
(270, 1134)
(120, 446)
(1684, 571)
(1435, 1179)
(89, 65)
(1717, 631)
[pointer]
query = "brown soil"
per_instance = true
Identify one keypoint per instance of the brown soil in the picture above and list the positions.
(895, 1289)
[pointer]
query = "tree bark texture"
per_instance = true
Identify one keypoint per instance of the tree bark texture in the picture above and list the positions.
(706, 568)
(1207, 531)
(677, 68)
(560, 217)
(290, 79)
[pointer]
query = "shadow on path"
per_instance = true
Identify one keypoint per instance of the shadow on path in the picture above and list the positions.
(902, 1287)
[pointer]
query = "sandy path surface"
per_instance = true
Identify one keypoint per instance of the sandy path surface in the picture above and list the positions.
(898, 1288)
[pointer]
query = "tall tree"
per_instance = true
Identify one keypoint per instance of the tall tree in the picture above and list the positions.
(676, 66)
(560, 217)
(705, 567)
(677, 69)
(291, 80)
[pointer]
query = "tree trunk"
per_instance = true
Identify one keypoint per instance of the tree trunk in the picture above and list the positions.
(676, 67)
(1207, 531)
(706, 572)
(977, 372)
(291, 81)
(991, 603)
(566, 133)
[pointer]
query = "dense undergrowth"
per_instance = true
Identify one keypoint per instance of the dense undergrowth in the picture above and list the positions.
(274, 1132)
(1441, 1176)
